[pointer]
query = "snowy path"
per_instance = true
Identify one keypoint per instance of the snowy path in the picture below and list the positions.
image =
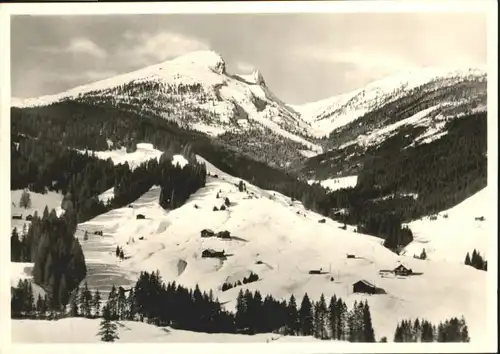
(103, 270)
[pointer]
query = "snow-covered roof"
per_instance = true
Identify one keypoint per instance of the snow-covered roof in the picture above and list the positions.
(402, 265)
(365, 282)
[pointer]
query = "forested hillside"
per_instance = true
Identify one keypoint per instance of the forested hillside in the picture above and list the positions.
(418, 180)
(80, 125)
(422, 178)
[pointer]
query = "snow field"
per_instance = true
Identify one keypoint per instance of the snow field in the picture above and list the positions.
(334, 184)
(455, 232)
(83, 330)
(38, 202)
(266, 227)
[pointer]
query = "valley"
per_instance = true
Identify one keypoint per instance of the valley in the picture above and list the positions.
(270, 228)
(312, 199)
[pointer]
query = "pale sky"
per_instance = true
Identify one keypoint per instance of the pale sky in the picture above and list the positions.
(303, 57)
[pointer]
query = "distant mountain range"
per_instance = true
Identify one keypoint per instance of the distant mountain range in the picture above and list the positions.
(196, 91)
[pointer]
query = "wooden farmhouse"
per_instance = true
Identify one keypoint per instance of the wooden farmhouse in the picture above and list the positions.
(402, 270)
(364, 287)
(207, 233)
(210, 253)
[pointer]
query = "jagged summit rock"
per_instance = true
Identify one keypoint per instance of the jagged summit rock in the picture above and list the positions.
(207, 58)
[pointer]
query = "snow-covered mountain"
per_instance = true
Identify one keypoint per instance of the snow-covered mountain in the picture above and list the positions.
(195, 91)
(328, 115)
(410, 109)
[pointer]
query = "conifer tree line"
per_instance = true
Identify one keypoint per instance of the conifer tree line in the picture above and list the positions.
(153, 301)
(421, 330)
(119, 252)
(82, 177)
(442, 173)
(90, 128)
(23, 300)
(476, 261)
(59, 263)
(83, 125)
(250, 279)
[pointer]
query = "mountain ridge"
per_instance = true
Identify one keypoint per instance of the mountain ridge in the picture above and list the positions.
(304, 114)
(196, 92)
(192, 89)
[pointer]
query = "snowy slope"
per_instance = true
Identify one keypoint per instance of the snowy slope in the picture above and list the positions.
(337, 183)
(144, 152)
(195, 91)
(23, 271)
(451, 238)
(38, 203)
(280, 241)
(332, 113)
(84, 330)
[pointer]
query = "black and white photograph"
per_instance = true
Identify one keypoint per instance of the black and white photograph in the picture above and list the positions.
(247, 175)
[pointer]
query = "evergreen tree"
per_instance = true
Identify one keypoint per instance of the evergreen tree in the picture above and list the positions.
(122, 304)
(15, 246)
(39, 304)
(108, 329)
(97, 303)
(427, 334)
(241, 309)
(423, 255)
(17, 300)
(320, 318)
(83, 301)
(306, 316)
(416, 334)
(293, 324)
(131, 304)
(25, 200)
(63, 293)
(29, 297)
(332, 317)
(398, 334)
(368, 332)
(86, 236)
(352, 324)
(464, 331)
(342, 320)
(45, 214)
(88, 301)
(73, 305)
(467, 259)
(474, 258)
(112, 303)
